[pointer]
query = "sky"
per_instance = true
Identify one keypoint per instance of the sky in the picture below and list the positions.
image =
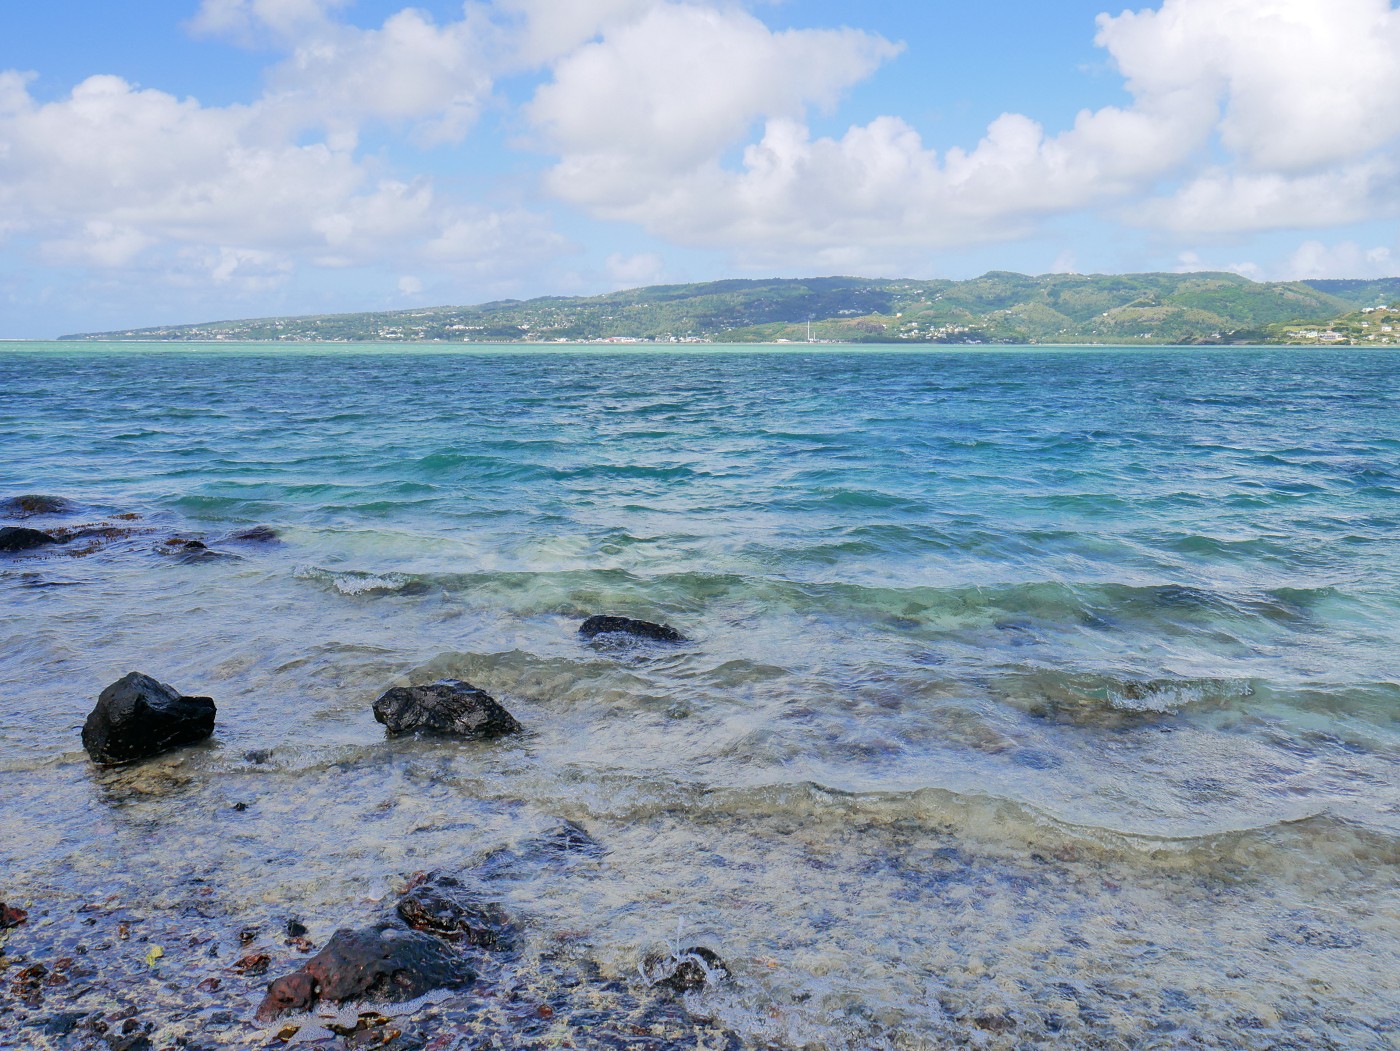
(197, 160)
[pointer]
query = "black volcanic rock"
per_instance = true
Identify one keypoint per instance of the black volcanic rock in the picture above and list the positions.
(34, 504)
(691, 968)
(449, 707)
(443, 906)
(137, 717)
(19, 538)
(385, 962)
(642, 629)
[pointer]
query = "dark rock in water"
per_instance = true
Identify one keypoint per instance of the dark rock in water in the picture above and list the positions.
(189, 551)
(692, 968)
(19, 538)
(561, 846)
(385, 962)
(256, 535)
(11, 916)
(62, 1024)
(566, 838)
(449, 707)
(34, 504)
(444, 907)
(137, 717)
(1035, 759)
(642, 629)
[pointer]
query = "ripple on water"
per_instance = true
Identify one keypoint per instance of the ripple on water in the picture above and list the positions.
(1032, 701)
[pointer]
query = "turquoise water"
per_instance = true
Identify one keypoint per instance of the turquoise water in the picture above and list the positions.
(1035, 698)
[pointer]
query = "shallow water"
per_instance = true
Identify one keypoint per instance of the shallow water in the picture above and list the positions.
(1035, 699)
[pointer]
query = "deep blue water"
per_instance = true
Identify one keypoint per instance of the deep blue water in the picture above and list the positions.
(1117, 601)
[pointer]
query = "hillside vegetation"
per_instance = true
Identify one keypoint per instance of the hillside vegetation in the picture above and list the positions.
(997, 307)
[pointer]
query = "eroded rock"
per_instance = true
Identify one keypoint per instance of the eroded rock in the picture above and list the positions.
(385, 963)
(641, 629)
(450, 707)
(137, 717)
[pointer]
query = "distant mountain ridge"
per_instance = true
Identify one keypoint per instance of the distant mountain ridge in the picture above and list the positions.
(998, 307)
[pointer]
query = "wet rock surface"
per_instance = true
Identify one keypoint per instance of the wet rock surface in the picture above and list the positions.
(686, 969)
(640, 629)
(11, 916)
(443, 906)
(32, 504)
(16, 539)
(138, 717)
(447, 708)
(80, 982)
(383, 963)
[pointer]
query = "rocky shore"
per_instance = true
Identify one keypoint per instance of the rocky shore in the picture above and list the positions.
(436, 971)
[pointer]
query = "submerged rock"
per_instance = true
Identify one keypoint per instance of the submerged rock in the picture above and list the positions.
(34, 504)
(641, 629)
(692, 968)
(188, 550)
(137, 717)
(559, 847)
(20, 538)
(449, 707)
(444, 907)
(256, 535)
(385, 963)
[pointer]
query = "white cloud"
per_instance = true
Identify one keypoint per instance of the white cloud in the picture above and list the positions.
(635, 271)
(642, 133)
(113, 172)
(1305, 83)
(682, 83)
(410, 286)
(1220, 200)
(549, 29)
(1313, 259)
(410, 71)
(257, 21)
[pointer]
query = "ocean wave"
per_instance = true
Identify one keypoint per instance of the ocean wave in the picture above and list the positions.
(1084, 698)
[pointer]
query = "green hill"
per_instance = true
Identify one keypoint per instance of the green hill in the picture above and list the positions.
(996, 307)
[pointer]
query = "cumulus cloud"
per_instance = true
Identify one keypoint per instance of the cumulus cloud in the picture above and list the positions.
(115, 167)
(642, 133)
(1304, 83)
(1307, 91)
(1221, 200)
(261, 21)
(634, 271)
(112, 174)
(1313, 259)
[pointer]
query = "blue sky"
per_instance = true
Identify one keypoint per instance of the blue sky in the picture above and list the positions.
(188, 160)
